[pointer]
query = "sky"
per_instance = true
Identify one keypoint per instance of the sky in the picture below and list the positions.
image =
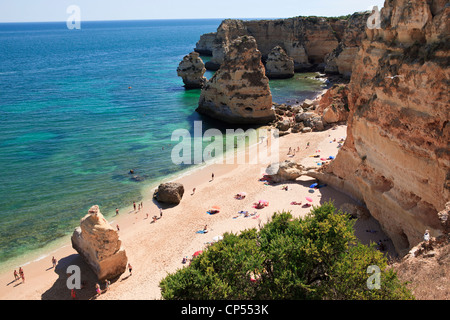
(56, 10)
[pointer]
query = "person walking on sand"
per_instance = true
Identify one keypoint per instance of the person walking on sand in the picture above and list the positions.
(134, 206)
(117, 226)
(107, 283)
(54, 262)
(212, 176)
(130, 268)
(117, 211)
(16, 276)
(98, 290)
(193, 191)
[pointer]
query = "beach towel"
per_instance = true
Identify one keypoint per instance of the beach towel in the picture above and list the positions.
(200, 231)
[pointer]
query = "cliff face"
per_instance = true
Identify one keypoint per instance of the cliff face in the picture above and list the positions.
(307, 40)
(239, 91)
(396, 158)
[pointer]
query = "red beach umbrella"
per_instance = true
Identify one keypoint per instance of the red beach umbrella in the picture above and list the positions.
(197, 253)
(309, 199)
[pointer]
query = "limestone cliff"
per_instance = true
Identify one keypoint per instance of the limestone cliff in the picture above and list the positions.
(396, 158)
(99, 245)
(239, 91)
(309, 41)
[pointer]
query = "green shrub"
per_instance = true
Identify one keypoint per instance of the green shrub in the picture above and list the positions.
(317, 257)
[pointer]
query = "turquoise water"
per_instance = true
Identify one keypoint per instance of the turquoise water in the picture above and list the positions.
(71, 127)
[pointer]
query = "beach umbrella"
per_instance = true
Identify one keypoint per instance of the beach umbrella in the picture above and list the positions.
(217, 238)
(197, 253)
(313, 185)
(215, 208)
(309, 199)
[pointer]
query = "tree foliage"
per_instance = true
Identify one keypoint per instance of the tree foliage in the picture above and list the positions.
(316, 257)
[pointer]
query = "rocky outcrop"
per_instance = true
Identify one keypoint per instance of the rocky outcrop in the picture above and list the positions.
(285, 171)
(228, 30)
(396, 157)
(170, 193)
(205, 44)
(426, 265)
(239, 91)
(99, 245)
(279, 65)
(307, 40)
(192, 69)
(350, 34)
(333, 105)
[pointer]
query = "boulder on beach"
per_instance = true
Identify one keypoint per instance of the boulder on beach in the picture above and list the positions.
(170, 192)
(99, 245)
(285, 171)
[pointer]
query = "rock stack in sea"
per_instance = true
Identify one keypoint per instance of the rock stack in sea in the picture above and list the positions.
(239, 91)
(192, 69)
(279, 65)
(98, 243)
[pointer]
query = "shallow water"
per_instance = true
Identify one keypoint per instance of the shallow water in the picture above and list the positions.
(80, 108)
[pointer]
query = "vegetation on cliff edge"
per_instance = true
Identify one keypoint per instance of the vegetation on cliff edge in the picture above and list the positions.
(316, 257)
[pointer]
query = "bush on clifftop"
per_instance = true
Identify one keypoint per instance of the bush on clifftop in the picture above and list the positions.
(317, 257)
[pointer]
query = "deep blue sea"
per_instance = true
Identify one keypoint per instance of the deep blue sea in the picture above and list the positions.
(80, 108)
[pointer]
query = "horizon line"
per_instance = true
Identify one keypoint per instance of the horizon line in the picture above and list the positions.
(152, 19)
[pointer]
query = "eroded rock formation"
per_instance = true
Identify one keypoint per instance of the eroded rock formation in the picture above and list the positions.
(309, 41)
(239, 91)
(279, 65)
(396, 158)
(99, 245)
(191, 69)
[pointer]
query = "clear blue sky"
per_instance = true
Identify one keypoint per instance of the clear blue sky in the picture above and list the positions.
(55, 10)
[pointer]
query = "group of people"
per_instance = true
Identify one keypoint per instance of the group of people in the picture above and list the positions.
(20, 275)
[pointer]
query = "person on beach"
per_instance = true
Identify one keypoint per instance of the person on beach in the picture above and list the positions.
(212, 176)
(117, 211)
(130, 268)
(54, 262)
(193, 191)
(98, 290)
(134, 206)
(160, 213)
(107, 284)
(205, 229)
(16, 276)
(117, 226)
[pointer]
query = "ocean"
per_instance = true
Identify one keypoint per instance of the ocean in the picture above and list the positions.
(80, 108)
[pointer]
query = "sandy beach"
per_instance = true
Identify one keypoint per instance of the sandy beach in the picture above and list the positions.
(156, 249)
